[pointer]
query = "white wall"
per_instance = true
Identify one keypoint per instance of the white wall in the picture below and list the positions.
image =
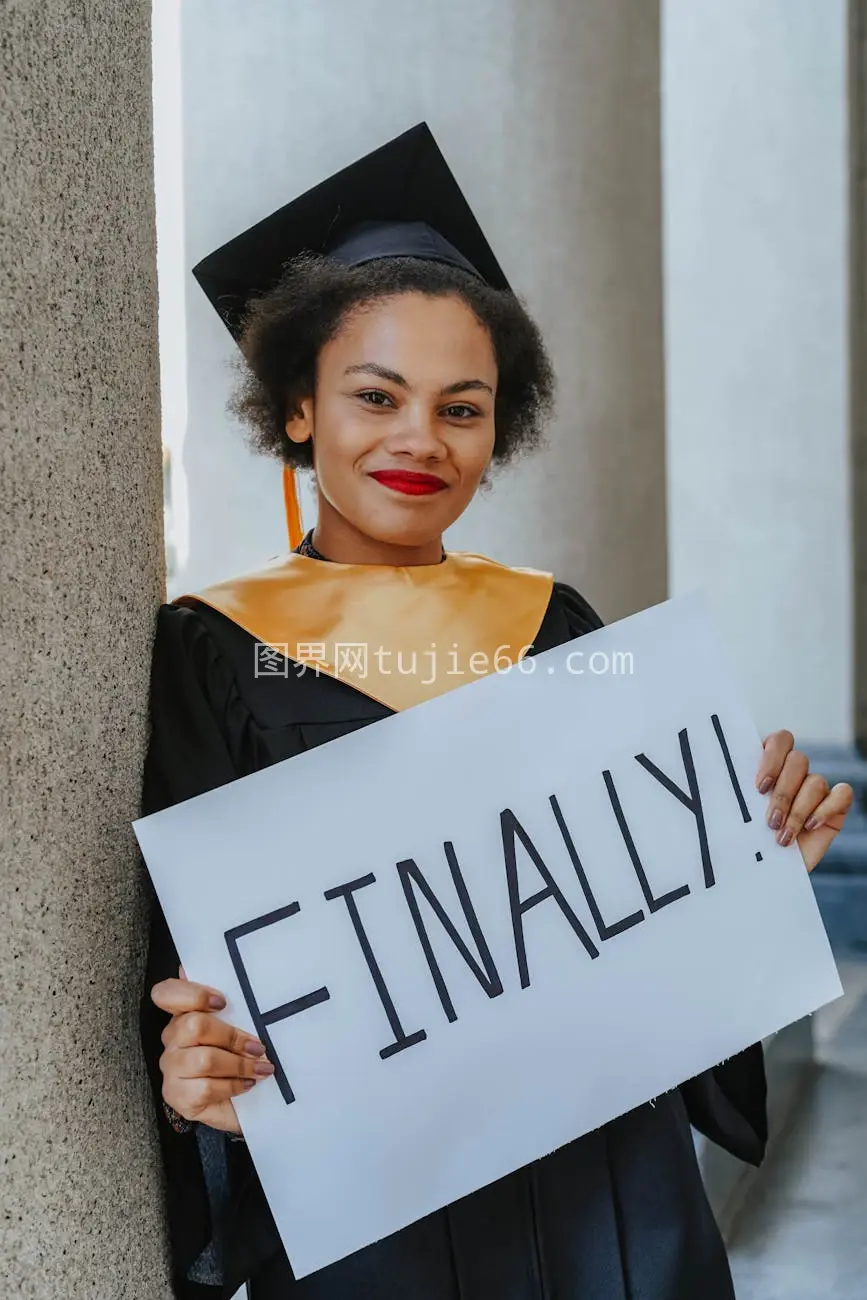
(171, 266)
(755, 184)
(547, 114)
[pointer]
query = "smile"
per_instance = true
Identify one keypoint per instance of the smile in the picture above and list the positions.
(410, 483)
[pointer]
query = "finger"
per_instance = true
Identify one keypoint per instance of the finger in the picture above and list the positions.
(788, 783)
(182, 974)
(814, 789)
(190, 1097)
(833, 809)
(179, 996)
(776, 748)
(198, 1028)
(212, 1063)
(825, 823)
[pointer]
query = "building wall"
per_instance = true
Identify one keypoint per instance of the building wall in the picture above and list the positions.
(81, 537)
(756, 176)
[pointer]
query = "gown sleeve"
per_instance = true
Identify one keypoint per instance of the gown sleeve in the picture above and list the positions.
(198, 726)
(728, 1104)
(580, 616)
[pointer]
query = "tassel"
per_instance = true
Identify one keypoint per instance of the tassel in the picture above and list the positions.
(293, 510)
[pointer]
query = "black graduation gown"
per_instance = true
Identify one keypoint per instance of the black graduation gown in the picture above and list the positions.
(620, 1214)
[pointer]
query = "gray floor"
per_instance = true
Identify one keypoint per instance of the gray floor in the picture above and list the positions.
(802, 1233)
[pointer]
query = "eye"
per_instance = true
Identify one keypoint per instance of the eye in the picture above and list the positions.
(461, 411)
(375, 397)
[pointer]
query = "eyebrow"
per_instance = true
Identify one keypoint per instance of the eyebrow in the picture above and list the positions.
(467, 386)
(394, 377)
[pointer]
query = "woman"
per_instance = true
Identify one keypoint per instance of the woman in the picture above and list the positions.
(400, 374)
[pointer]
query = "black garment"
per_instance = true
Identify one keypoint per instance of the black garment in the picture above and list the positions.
(620, 1214)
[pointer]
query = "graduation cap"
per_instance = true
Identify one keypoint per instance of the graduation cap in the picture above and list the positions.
(402, 200)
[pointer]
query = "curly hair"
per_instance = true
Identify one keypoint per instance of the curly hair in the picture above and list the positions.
(286, 328)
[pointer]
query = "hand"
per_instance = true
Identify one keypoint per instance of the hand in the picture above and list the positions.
(802, 806)
(206, 1061)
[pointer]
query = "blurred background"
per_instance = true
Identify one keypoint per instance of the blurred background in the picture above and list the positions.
(678, 193)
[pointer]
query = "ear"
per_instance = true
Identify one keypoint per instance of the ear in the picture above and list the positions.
(299, 423)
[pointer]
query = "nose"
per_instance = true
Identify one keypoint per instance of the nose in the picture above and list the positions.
(417, 434)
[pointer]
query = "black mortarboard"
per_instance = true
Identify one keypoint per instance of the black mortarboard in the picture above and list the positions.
(399, 201)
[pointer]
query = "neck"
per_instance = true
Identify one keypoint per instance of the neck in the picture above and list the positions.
(341, 542)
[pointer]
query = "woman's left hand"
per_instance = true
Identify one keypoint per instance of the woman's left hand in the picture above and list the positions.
(802, 806)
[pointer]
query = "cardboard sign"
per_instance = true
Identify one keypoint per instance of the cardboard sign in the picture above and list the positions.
(481, 928)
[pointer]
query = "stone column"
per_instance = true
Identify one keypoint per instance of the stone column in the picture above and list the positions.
(757, 368)
(81, 536)
(858, 367)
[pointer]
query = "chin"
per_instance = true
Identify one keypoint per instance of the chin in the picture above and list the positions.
(401, 535)
(415, 525)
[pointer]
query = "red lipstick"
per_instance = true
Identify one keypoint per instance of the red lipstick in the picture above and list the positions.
(409, 482)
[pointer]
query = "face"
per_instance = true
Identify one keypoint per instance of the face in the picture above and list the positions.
(402, 419)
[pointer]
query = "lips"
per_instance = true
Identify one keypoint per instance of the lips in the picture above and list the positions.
(409, 482)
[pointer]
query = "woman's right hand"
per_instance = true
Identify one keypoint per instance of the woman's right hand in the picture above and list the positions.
(206, 1062)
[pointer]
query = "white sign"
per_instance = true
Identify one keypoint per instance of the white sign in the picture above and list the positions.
(491, 923)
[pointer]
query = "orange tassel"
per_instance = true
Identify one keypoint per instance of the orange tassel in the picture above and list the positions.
(293, 510)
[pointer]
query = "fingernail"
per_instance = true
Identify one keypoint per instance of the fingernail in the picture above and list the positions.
(248, 1084)
(216, 1002)
(786, 838)
(252, 1048)
(263, 1069)
(767, 782)
(776, 820)
(810, 824)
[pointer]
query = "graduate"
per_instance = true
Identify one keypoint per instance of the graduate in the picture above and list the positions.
(385, 352)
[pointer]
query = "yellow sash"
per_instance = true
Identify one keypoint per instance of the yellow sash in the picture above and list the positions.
(402, 634)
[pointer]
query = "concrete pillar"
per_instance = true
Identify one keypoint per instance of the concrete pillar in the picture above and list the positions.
(549, 115)
(80, 519)
(858, 316)
(757, 278)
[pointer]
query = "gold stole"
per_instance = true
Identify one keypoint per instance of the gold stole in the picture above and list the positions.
(401, 635)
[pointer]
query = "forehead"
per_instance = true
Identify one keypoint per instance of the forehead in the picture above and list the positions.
(417, 335)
